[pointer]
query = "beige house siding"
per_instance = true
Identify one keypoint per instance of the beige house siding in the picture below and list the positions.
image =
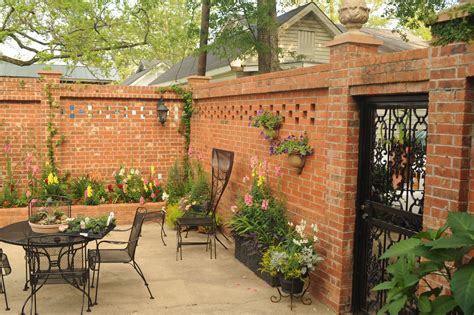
(304, 29)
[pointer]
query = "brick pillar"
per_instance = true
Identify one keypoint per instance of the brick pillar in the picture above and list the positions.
(197, 80)
(449, 135)
(50, 76)
(342, 161)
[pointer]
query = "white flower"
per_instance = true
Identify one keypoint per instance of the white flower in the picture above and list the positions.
(290, 223)
(314, 227)
(137, 172)
(122, 171)
(132, 171)
(193, 203)
(165, 196)
(87, 220)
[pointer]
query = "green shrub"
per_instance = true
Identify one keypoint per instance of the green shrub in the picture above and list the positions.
(87, 190)
(176, 184)
(173, 213)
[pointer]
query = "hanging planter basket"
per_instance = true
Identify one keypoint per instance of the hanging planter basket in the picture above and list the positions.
(297, 161)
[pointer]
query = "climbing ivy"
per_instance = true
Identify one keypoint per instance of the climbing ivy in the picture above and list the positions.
(51, 140)
(187, 97)
(457, 29)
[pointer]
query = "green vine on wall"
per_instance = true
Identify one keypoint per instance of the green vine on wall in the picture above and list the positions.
(51, 141)
(458, 29)
(187, 97)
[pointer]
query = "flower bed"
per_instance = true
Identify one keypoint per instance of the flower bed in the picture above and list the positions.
(124, 212)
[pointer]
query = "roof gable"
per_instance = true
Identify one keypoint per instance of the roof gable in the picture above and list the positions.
(288, 19)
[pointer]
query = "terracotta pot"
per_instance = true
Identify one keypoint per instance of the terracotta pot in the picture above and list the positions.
(297, 161)
(291, 286)
(45, 229)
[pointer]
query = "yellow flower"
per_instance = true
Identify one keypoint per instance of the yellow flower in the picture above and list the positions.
(152, 170)
(145, 187)
(260, 181)
(129, 176)
(150, 184)
(89, 191)
(52, 179)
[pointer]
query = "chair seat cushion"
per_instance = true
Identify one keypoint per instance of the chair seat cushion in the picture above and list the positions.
(109, 256)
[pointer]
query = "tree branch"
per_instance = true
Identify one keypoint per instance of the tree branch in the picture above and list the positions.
(7, 17)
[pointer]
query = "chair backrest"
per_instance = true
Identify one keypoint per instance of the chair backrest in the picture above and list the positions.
(5, 268)
(140, 215)
(51, 204)
(222, 163)
(51, 257)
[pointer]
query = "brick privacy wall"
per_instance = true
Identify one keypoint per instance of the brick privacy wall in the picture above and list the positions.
(320, 101)
(112, 125)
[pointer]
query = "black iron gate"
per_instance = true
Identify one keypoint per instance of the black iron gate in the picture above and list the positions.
(392, 162)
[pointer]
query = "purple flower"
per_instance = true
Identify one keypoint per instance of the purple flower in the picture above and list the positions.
(272, 150)
(267, 137)
(260, 112)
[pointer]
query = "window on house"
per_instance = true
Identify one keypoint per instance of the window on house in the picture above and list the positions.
(305, 42)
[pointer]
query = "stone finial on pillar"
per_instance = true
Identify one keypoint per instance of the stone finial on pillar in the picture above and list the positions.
(353, 14)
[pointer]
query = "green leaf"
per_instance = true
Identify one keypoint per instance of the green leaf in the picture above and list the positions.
(443, 305)
(429, 234)
(424, 304)
(461, 223)
(462, 286)
(396, 306)
(455, 241)
(384, 286)
(427, 267)
(401, 248)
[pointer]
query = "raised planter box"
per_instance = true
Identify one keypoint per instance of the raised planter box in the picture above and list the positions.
(251, 259)
(124, 212)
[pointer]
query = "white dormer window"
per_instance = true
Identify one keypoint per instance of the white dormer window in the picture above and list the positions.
(305, 42)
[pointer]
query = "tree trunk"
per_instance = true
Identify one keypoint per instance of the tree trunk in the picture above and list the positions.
(203, 37)
(267, 36)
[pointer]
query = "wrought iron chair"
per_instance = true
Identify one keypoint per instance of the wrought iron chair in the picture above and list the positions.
(55, 259)
(52, 203)
(126, 255)
(5, 270)
(222, 162)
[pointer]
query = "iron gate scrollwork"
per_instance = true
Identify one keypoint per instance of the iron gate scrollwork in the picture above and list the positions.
(391, 188)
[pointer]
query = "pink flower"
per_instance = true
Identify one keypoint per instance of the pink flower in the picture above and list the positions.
(33, 201)
(28, 194)
(114, 173)
(86, 195)
(34, 170)
(262, 170)
(153, 196)
(277, 171)
(142, 200)
(245, 179)
(253, 161)
(248, 200)
(156, 182)
(265, 204)
(7, 148)
(190, 151)
(145, 181)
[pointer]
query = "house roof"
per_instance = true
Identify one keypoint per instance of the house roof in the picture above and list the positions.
(392, 43)
(144, 67)
(70, 74)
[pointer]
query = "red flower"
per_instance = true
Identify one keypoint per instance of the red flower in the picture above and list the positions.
(110, 188)
(120, 186)
(46, 181)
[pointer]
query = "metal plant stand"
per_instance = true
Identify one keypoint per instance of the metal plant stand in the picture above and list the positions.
(292, 296)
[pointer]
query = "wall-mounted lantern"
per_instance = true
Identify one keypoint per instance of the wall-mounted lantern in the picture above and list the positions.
(162, 111)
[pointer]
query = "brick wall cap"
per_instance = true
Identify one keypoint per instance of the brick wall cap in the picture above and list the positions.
(198, 78)
(355, 38)
(50, 73)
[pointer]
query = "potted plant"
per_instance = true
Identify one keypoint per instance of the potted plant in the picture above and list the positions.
(269, 122)
(297, 149)
(43, 222)
(293, 259)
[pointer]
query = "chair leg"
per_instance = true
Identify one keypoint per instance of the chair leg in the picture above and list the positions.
(5, 293)
(97, 283)
(179, 240)
(93, 277)
(25, 288)
(140, 273)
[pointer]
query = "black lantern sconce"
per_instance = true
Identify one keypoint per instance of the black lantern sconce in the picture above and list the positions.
(162, 111)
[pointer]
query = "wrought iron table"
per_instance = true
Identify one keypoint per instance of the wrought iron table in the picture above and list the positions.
(20, 234)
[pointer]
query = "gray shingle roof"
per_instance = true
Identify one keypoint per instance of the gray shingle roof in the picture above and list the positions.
(79, 73)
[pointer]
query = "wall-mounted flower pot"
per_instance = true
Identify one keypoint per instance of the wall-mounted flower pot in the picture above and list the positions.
(297, 161)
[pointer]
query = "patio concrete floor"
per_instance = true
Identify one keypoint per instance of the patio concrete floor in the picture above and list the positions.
(194, 285)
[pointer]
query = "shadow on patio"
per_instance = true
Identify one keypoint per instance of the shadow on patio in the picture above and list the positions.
(194, 285)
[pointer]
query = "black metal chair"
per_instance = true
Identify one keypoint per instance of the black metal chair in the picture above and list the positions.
(52, 203)
(158, 216)
(222, 163)
(5, 270)
(126, 255)
(55, 259)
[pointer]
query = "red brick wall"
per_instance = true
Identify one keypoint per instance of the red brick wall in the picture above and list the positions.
(112, 125)
(319, 100)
